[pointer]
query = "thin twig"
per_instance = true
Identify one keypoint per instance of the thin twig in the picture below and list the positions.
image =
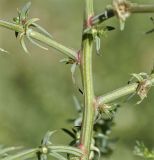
(119, 93)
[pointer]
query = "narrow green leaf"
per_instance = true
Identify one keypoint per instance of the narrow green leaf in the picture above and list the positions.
(22, 42)
(142, 151)
(8, 149)
(71, 134)
(64, 60)
(35, 43)
(25, 10)
(3, 50)
(42, 30)
(44, 157)
(23, 155)
(31, 21)
(98, 44)
(73, 68)
(46, 139)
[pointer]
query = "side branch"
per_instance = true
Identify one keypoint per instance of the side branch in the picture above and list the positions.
(40, 37)
(110, 12)
(52, 43)
(119, 93)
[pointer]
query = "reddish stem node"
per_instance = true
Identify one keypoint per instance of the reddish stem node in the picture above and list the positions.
(95, 103)
(89, 22)
(84, 151)
(78, 58)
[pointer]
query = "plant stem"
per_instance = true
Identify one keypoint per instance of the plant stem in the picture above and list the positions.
(134, 8)
(87, 78)
(52, 43)
(11, 26)
(119, 93)
(42, 38)
(142, 8)
(22, 155)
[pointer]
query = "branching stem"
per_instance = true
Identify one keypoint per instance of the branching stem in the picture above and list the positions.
(119, 93)
(90, 102)
(42, 38)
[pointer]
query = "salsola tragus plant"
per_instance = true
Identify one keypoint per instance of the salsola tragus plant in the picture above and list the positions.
(91, 128)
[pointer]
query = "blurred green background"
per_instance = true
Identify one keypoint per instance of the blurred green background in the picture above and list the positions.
(36, 91)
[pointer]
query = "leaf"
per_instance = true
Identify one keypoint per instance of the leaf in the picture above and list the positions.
(25, 10)
(64, 60)
(16, 34)
(98, 44)
(33, 42)
(3, 50)
(73, 68)
(96, 149)
(46, 139)
(77, 103)
(44, 157)
(122, 24)
(31, 21)
(8, 149)
(152, 70)
(22, 42)
(110, 28)
(142, 151)
(80, 91)
(71, 134)
(150, 31)
(42, 30)
(23, 155)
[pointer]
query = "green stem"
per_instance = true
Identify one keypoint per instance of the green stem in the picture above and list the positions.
(52, 43)
(11, 26)
(119, 93)
(87, 78)
(89, 11)
(40, 37)
(88, 113)
(142, 8)
(28, 154)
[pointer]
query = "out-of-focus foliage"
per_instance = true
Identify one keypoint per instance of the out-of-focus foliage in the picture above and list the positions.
(142, 151)
(36, 91)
